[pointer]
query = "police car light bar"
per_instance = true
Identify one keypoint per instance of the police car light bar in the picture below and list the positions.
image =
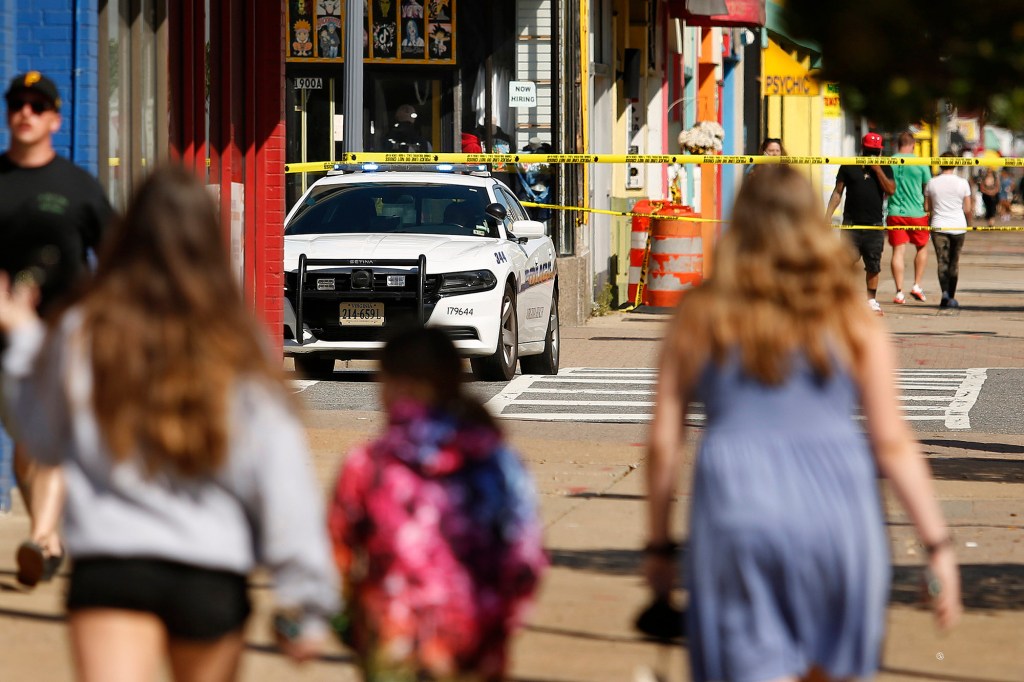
(370, 167)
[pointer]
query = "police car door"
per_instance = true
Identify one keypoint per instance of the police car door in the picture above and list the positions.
(535, 279)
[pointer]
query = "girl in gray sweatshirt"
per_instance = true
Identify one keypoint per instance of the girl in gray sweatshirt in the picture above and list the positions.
(186, 464)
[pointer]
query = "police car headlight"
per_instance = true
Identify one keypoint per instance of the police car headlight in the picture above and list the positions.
(467, 282)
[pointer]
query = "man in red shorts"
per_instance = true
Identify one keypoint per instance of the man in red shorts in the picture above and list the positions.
(906, 208)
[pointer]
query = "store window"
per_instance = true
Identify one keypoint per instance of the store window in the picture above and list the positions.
(132, 93)
(404, 112)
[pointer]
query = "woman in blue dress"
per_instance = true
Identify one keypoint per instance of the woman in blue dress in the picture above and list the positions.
(787, 568)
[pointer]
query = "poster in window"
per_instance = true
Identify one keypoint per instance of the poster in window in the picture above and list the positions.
(385, 29)
(300, 29)
(328, 28)
(412, 39)
(440, 42)
(412, 9)
(439, 10)
(394, 31)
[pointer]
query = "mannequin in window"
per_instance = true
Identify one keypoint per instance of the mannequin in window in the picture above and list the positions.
(404, 135)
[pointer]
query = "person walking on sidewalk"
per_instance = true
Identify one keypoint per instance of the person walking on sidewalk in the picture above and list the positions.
(949, 201)
(435, 527)
(906, 208)
(186, 464)
(52, 215)
(866, 188)
(989, 187)
(788, 562)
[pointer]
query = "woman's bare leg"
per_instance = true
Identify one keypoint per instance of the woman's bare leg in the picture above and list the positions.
(216, 661)
(42, 487)
(116, 645)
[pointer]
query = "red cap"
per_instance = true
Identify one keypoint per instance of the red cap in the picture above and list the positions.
(872, 141)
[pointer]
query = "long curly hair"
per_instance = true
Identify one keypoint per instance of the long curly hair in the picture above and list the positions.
(168, 330)
(782, 282)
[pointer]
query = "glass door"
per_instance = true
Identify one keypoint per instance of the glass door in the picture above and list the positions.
(313, 129)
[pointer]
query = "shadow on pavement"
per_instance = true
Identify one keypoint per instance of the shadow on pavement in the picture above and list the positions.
(30, 615)
(1001, 448)
(938, 677)
(606, 496)
(984, 586)
(608, 561)
(323, 658)
(579, 634)
(985, 470)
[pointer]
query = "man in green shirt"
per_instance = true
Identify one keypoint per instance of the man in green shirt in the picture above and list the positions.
(906, 208)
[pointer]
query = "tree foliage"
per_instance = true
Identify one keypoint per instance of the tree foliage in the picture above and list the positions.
(895, 60)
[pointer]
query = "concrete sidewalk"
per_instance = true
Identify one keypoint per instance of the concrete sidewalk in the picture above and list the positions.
(590, 479)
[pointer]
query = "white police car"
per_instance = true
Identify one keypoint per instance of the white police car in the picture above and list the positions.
(371, 248)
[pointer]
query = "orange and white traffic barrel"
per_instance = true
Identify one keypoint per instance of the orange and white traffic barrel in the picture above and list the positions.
(638, 242)
(676, 261)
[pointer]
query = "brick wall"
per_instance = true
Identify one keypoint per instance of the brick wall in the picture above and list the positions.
(267, 78)
(58, 38)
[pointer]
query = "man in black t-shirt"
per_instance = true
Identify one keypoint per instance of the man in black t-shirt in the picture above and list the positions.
(866, 189)
(52, 215)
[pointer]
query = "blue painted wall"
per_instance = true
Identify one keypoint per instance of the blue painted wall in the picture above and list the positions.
(60, 39)
(733, 141)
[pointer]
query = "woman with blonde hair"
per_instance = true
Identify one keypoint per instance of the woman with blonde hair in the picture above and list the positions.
(787, 567)
(185, 461)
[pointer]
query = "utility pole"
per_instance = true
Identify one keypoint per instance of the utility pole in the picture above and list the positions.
(352, 99)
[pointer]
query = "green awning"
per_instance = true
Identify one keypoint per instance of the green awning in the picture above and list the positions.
(774, 24)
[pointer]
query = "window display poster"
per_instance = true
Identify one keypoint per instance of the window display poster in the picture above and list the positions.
(384, 18)
(329, 28)
(300, 29)
(394, 31)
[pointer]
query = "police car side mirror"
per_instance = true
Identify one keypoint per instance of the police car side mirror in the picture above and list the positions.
(496, 211)
(529, 229)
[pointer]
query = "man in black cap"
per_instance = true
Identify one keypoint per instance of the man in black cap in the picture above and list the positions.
(866, 190)
(52, 215)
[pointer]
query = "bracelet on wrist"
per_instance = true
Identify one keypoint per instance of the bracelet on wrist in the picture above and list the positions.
(666, 549)
(932, 547)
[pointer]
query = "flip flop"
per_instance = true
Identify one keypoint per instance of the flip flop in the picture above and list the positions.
(35, 565)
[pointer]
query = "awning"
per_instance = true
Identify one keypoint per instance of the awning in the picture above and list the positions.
(783, 75)
(745, 13)
(774, 22)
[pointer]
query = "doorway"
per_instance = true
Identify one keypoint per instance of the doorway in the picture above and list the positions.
(401, 112)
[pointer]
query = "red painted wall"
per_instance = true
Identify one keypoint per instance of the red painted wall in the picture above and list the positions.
(246, 123)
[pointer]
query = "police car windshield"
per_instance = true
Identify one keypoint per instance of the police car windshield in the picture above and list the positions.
(384, 208)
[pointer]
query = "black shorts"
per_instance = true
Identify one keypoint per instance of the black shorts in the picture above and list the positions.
(193, 603)
(869, 245)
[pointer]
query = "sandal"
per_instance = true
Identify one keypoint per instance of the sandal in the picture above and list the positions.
(35, 565)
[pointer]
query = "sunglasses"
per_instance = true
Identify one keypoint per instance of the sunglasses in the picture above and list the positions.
(38, 106)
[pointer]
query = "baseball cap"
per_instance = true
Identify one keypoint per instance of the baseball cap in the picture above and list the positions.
(33, 81)
(872, 141)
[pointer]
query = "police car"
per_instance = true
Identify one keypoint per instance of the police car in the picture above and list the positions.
(374, 247)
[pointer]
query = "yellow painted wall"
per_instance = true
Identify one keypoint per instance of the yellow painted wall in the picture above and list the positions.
(796, 120)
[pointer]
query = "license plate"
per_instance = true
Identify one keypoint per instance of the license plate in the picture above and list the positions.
(361, 314)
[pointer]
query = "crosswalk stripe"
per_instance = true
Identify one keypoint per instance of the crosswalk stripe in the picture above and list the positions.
(953, 392)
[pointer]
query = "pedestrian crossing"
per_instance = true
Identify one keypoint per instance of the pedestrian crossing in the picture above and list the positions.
(626, 395)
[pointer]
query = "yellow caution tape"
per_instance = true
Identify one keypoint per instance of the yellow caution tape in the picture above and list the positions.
(642, 284)
(687, 218)
(976, 228)
(624, 214)
(714, 159)
(694, 219)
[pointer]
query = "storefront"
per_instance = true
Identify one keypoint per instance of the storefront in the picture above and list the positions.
(434, 73)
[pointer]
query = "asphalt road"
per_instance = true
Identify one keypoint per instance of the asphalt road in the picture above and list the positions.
(968, 399)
